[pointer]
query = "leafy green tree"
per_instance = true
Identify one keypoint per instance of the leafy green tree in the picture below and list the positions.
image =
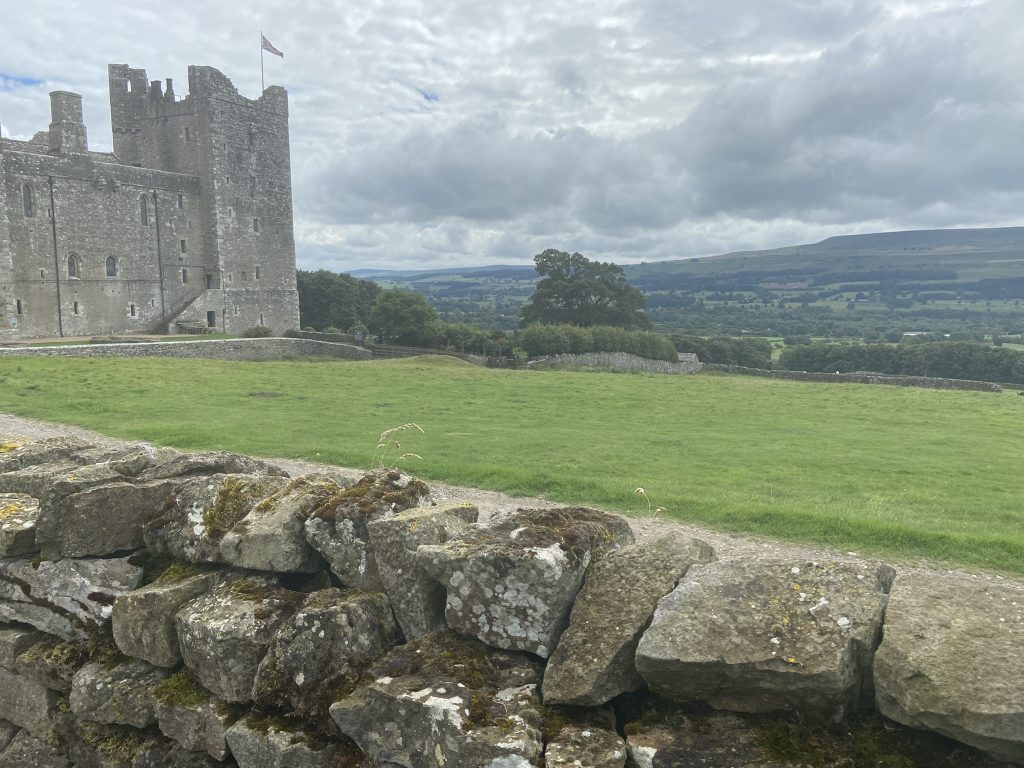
(578, 291)
(405, 317)
(329, 299)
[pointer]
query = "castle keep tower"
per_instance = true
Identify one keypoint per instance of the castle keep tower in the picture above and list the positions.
(188, 221)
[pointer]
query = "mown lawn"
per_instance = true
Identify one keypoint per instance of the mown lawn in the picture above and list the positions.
(894, 471)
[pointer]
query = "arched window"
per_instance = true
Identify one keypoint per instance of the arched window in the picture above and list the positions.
(26, 197)
(111, 266)
(74, 267)
(144, 210)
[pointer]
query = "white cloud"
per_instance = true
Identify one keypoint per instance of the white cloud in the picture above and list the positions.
(460, 132)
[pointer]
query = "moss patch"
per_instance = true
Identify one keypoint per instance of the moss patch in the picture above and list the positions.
(8, 447)
(180, 690)
(373, 493)
(235, 497)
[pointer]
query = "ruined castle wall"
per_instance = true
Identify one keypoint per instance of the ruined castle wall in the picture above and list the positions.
(8, 307)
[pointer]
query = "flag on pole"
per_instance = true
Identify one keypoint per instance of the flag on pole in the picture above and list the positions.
(269, 46)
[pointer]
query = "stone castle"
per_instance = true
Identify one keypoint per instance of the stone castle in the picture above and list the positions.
(187, 224)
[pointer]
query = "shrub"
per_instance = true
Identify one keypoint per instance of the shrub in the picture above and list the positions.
(309, 329)
(332, 329)
(540, 340)
(257, 332)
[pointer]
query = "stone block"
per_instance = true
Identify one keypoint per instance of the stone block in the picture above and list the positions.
(318, 655)
(447, 700)
(27, 703)
(100, 520)
(116, 694)
(417, 598)
(190, 527)
(15, 640)
(769, 635)
(185, 465)
(583, 746)
(67, 597)
(191, 716)
(338, 527)
(143, 620)
(512, 584)
(26, 751)
(18, 513)
(952, 661)
(259, 741)
(595, 659)
(225, 634)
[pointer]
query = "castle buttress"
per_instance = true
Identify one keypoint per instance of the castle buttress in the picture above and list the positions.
(188, 221)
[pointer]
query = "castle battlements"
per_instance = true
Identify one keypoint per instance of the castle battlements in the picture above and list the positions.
(188, 220)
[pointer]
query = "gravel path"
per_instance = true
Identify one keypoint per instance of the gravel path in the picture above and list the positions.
(490, 503)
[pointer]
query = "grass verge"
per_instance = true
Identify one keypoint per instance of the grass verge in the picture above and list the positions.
(889, 470)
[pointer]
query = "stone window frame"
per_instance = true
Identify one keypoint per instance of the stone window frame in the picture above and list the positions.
(256, 224)
(181, 201)
(74, 267)
(28, 200)
(245, 276)
(144, 210)
(184, 275)
(182, 246)
(74, 308)
(17, 306)
(257, 275)
(132, 311)
(111, 266)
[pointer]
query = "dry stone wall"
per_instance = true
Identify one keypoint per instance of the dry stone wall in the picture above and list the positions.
(214, 349)
(187, 610)
(927, 382)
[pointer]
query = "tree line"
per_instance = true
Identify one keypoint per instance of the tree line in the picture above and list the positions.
(944, 359)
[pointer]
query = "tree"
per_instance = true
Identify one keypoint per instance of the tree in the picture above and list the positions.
(405, 317)
(576, 290)
(327, 299)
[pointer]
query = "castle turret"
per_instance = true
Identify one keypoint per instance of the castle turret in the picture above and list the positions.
(67, 130)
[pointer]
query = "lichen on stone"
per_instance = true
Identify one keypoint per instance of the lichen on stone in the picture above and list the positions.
(180, 690)
(374, 492)
(235, 497)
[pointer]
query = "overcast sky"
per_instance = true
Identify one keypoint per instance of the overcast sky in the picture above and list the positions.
(463, 132)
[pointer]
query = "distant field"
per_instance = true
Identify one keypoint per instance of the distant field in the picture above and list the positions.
(900, 472)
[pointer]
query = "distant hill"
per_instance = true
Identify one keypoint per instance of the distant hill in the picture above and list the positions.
(941, 281)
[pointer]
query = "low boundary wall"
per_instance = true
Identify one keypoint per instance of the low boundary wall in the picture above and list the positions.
(927, 382)
(215, 349)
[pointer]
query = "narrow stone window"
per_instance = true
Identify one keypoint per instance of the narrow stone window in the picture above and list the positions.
(18, 305)
(209, 282)
(181, 201)
(144, 210)
(184, 246)
(255, 225)
(188, 133)
(245, 277)
(261, 318)
(257, 272)
(131, 310)
(111, 266)
(211, 319)
(42, 274)
(26, 197)
(236, 312)
(231, 277)
(184, 275)
(74, 309)
(74, 268)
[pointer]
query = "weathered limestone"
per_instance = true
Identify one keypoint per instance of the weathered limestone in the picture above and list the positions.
(116, 694)
(14, 641)
(143, 620)
(27, 703)
(511, 585)
(187, 713)
(271, 536)
(225, 634)
(186, 465)
(7, 733)
(337, 528)
(65, 597)
(20, 455)
(760, 636)
(18, 513)
(52, 662)
(26, 751)
(267, 743)
(317, 656)
(952, 661)
(203, 510)
(417, 599)
(595, 657)
(447, 700)
(100, 520)
(581, 746)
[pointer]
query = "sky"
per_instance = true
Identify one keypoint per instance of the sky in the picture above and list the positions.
(431, 133)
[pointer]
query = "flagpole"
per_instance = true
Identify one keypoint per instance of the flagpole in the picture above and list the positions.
(263, 85)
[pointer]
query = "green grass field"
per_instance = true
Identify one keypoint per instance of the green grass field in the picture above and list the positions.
(887, 470)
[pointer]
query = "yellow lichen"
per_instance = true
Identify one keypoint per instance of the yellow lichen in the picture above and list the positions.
(8, 447)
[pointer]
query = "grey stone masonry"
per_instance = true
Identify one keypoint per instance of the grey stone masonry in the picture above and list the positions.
(188, 220)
